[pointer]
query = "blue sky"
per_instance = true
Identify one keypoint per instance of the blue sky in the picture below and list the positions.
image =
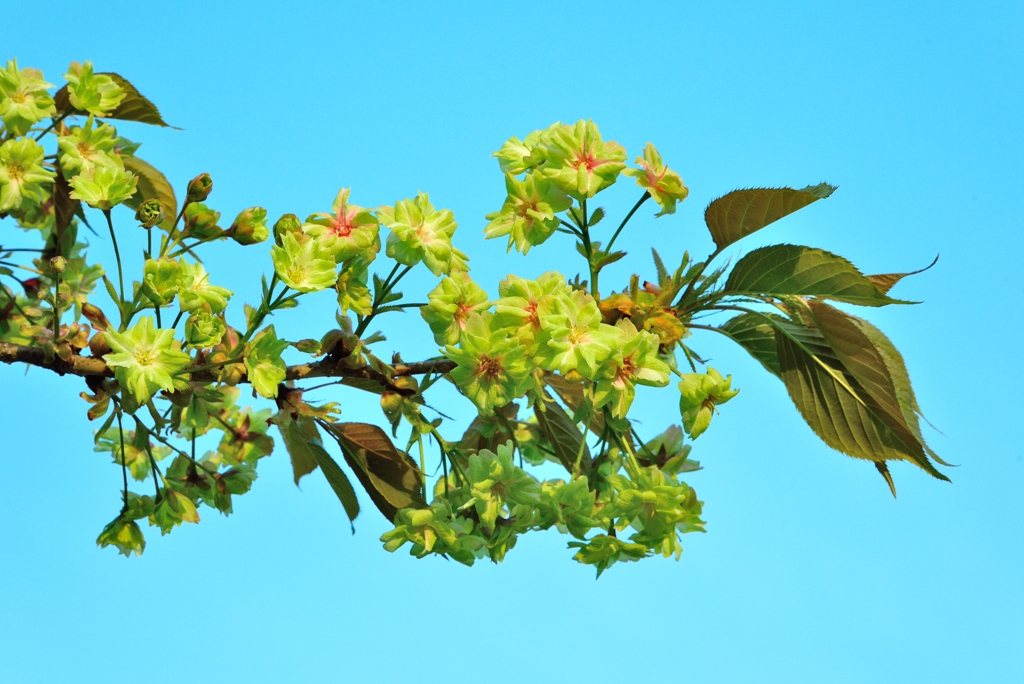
(809, 572)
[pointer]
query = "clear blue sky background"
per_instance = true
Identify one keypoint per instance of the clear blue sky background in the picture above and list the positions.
(810, 571)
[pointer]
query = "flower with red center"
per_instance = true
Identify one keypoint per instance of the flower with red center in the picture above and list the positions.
(523, 302)
(636, 362)
(579, 161)
(663, 184)
(452, 302)
(528, 215)
(492, 365)
(348, 231)
(419, 232)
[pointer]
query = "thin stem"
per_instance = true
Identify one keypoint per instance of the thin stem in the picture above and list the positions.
(389, 285)
(56, 305)
(156, 310)
(124, 463)
(572, 229)
(622, 225)
(52, 125)
(188, 248)
(177, 318)
(5, 250)
(117, 255)
(149, 243)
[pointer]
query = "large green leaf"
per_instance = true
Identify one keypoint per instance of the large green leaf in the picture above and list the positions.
(152, 185)
(565, 438)
(134, 106)
(756, 334)
(572, 394)
(841, 386)
(742, 212)
(339, 483)
(779, 270)
(388, 475)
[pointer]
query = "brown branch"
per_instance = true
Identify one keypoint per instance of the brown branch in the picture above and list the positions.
(88, 366)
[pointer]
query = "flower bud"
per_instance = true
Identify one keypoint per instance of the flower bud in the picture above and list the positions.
(289, 223)
(406, 382)
(58, 263)
(95, 316)
(150, 213)
(201, 221)
(199, 188)
(98, 345)
(391, 404)
(250, 226)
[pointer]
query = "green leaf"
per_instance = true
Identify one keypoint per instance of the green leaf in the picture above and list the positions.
(757, 335)
(595, 217)
(742, 212)
(885, 281)
(152, 185)
(339, 483)
(299, 438)
(389, 476)
(779, 270)
(841, 386)
(559, 429)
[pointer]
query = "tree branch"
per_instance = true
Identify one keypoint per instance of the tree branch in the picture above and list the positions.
(88, 366)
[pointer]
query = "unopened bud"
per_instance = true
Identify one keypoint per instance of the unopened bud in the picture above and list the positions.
(199, 188)
(406, 382)
(391, 403)
(95, 316)
(289, 223)
(250, 226)
(58, 263)
(98, 345)
(201, 221)
(150, 213)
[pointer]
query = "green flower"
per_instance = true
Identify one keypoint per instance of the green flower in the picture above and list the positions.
(289, 223)
(569, 506)
(263, 362)
(528, 216)
(174, 508)
(23, 98)
(353, 294)
(579, 162)
(22, 175)
(201, 221)
(492, 366)
(496, 482)
(195, 291)
(204, 329)
(663, 184)
(636, 362)
(104, 187)
(145, 359)
(123, 534)
(85, 148)
(518, 156)
(451, 303)
(160, 278)
(348, 231)
(250, 226)
(668, 452)
(574, 338)
(522, 302)
(420, 233)
(305, 267)
(700, 393)
(433, 530)
(603, 551)
(97, 94)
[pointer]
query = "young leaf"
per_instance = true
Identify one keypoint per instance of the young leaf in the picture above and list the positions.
(152, 185)
(299, 438)
(885, 281)
(388, 475)
(794, 270)
(339, 483)
(742, 212)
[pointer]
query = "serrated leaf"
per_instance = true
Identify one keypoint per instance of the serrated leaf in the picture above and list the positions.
(660, 266)
(779, 270)
(299, 438)
(742, 212)
(885, 281)
(841, 387)
(757, 336)
(152, 185)
(389, 476)
(559, 429)
(596, 217)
